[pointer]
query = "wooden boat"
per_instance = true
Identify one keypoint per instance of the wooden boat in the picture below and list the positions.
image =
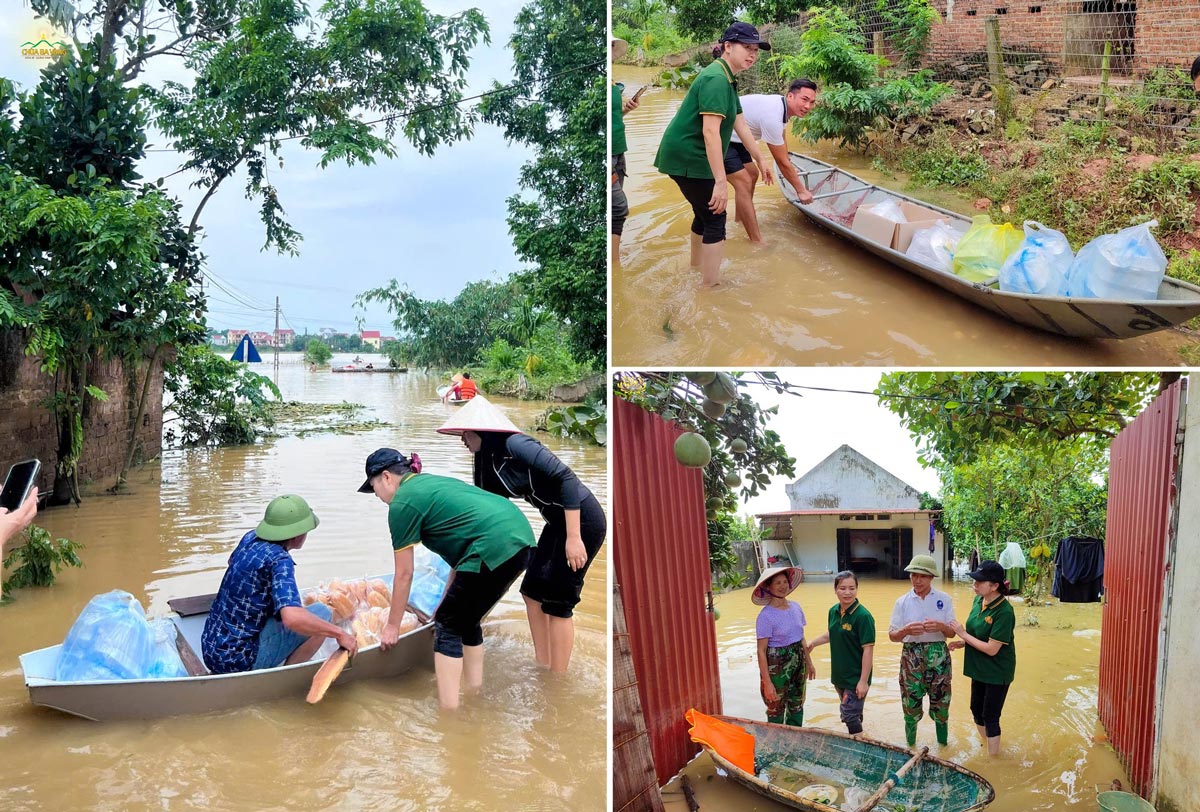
(838, 194)
(106, 700)
(826, 771)
(353, 368)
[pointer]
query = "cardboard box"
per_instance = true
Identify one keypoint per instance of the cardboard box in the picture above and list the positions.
(895, 235)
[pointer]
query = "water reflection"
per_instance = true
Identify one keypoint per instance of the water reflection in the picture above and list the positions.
(530, 740)
(807, 297)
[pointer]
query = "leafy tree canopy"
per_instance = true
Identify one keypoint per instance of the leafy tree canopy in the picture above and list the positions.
(559, 59)
(954, 416)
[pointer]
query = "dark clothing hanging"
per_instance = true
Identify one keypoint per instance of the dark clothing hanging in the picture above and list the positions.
(1078, 570)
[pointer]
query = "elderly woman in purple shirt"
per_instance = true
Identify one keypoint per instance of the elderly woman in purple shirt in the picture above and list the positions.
(784, 665)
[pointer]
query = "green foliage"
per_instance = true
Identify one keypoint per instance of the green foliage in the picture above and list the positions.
(588, 421)
(561, 110)
(909, 24)
(1167, 188)
(262, 71)
(853, 99)
(38, 561)
(704, 20)
(1021, 494)
(317, 352)
(955, 416)
(638, 14)
(680, 78)
(675, 398)
(215, 401)
(398, 352)
(942, 161)
(723, 532)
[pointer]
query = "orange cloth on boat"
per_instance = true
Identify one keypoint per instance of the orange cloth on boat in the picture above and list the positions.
(730, 741)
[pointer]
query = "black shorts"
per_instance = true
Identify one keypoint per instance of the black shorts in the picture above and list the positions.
(737, 157)
(698, 191)
(620, 204)
(470, 596)
(987, 701)
(550, 580)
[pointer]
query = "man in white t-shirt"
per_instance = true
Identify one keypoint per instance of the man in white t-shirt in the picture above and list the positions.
(767, 116)
(921, 619)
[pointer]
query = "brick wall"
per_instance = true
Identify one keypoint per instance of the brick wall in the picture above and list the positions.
(27, 428)
(1072, 34)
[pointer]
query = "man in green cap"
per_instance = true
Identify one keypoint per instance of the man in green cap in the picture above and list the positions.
(921, 620)
(257, 619)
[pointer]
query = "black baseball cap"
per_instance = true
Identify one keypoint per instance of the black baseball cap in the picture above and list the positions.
(745, 34)
(989, 571)
(380, 460)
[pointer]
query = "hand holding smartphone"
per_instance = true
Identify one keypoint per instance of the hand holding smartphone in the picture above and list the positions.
(641, 90)
(19, 482)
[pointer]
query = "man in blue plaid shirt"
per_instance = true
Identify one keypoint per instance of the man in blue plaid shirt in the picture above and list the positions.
(257, 620)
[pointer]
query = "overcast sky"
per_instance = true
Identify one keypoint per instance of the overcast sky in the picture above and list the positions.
(435, 223)
(815, 425)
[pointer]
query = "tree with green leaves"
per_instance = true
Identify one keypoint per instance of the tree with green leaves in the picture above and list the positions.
(96, 266)
(343, 79)
(561, 111)
(317, 352)
(744, 453)
(216, 401)
(954, 416)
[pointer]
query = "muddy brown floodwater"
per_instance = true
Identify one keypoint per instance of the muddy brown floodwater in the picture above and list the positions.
(1054, 750)
(806, 297)
(530, 741)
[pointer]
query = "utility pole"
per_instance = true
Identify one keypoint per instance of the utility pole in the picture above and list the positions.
(276, 341)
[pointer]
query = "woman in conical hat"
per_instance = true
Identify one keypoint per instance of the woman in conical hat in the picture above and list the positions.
(784, 666)
(513, 464)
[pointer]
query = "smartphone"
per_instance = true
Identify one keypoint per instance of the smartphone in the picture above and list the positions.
(641, 90)
(19, 482)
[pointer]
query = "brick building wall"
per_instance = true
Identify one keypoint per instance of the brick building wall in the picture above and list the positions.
(27, 427)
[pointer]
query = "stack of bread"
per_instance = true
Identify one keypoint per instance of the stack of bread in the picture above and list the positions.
(361, 607)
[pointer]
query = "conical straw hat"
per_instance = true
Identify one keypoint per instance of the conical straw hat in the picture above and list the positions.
(480, 414)
(760, 597)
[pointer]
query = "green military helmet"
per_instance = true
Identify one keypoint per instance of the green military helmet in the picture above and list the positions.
(922, 565)
(287, 516)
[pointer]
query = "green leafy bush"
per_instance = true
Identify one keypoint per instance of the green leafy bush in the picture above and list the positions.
(38, 561)
(215, 401)
(317, 352)
(909, 24)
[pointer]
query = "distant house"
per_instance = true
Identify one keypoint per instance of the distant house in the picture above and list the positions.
(372, 338)
(234, 336)
(262, 339)
(847, 513)
(327, 332)
(285, 337)
(218, 340)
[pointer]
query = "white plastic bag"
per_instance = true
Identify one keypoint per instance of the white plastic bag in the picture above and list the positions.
(430, 573)
(1013, 556)
(1040, 265)
(1125, 265)
(934, 246)
(889, 210)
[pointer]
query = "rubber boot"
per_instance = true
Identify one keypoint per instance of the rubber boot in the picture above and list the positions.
(910, 731)
(943, 733)
(795, 718)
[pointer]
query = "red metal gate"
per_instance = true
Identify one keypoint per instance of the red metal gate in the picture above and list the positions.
(660, 552)
(1142, 492)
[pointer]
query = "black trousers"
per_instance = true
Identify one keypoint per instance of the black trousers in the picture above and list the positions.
(987, 700)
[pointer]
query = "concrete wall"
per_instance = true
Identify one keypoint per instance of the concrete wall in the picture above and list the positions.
(27, 428)
(814, 541)
(849, 481)
(1180, 736)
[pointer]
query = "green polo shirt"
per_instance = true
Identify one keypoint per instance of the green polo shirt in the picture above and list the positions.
(617, 122)
(682, 149)
(997, 622)
(463, 524)
(849, 632)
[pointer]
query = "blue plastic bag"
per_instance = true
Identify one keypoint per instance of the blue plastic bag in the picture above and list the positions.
(1040, 266)
(1125, 265)
(430, 574)
(111, 639)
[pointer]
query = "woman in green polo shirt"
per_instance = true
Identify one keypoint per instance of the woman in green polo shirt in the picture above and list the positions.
(484, 538)
(991, 656)
(851, 639)
(693, 146)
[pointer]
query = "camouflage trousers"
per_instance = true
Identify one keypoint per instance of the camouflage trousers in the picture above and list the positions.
(925, 669)
(785, 666)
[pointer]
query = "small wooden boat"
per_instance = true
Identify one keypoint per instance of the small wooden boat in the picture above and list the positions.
(353, 368)
(838, 194)
(106, 700)
(826, 771)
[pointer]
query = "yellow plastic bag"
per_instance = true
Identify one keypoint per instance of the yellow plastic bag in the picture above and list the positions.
(982, 250)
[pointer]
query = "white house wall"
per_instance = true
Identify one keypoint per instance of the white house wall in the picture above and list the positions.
(1180, 735)
(846, 480)
(814, 540)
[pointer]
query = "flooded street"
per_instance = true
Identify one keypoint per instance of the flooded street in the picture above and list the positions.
(806, 297)
(530, 741)
(1053, 744)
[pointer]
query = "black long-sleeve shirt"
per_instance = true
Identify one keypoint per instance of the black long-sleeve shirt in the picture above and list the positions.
(529, 470)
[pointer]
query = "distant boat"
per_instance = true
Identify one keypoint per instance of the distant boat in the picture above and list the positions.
(355, 368)
(246, 352)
